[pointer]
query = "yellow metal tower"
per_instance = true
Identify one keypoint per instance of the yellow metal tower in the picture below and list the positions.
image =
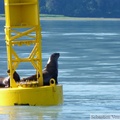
(22, 19)
(23, 29)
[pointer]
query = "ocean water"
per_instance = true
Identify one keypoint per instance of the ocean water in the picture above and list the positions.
(89, 70)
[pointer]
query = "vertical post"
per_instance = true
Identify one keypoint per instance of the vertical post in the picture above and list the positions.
(9, 56)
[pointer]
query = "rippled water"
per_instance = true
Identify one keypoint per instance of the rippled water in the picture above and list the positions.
(89, 69)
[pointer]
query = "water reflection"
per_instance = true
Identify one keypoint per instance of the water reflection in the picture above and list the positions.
(29, 113)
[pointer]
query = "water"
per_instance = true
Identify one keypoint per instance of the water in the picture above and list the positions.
(89, 70)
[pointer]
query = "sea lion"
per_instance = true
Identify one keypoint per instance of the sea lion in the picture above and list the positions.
(5, 81)
(51, 69)
(31, 78)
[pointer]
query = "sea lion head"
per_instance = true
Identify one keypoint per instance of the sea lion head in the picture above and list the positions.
(53, 57)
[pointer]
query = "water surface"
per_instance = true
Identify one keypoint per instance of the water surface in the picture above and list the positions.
(89, 70)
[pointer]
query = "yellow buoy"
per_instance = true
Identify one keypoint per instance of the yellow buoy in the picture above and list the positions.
(23, 29)
(34, 96)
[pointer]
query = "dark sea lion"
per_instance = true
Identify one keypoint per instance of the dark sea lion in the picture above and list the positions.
(5, 81)
(31, 78)
(51, 69)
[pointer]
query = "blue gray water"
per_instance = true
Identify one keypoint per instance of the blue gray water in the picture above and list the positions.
(89, 70)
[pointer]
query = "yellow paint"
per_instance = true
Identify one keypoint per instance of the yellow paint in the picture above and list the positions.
(22, 19)
(33, 96)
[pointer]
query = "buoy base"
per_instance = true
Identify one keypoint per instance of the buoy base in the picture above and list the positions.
(33, 96)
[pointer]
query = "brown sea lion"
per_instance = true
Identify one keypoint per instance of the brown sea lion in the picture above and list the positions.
(5, 81)
(31, 78)
(50, 71)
